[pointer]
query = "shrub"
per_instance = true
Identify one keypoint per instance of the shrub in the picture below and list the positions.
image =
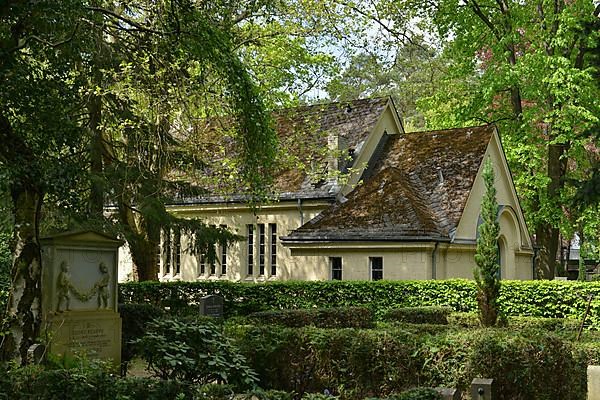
(549, 299)
(547, 324)
(134, 318)
(339, 317)
(418, 394)
(358, 363)
(464, 319)
(419, 315)
(194, 352)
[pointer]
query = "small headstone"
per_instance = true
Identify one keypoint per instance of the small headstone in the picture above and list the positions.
(448, 393)
(36, 353)
(560, 278)
(593, 382)
(212, 306)
(482, 389)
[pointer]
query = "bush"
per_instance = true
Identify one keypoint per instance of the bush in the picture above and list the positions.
(464, 319)
(548, 299)
(358, 363)
(419, 315)
(418, 394)
(194, 352)
(134, 318)
(339, 317)
(547, 324)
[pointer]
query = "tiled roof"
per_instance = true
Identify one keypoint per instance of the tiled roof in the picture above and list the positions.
(416, 188)
(303, 134)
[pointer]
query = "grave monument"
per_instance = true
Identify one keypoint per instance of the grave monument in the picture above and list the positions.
(79, 295)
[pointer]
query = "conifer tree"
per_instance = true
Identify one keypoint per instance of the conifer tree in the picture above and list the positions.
(487, 270)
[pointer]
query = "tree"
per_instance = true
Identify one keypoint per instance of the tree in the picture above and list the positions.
(55, 117)
(532, 68)
(487, 273)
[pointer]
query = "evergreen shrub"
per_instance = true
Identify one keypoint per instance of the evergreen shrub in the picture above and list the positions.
(419, 315)
(337, 317)
(548, 299)
(359, 363)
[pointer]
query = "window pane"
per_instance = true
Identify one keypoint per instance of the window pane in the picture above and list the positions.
(376, 264)
(261, 249)
(273, 235)
(336, 268)
(250, 234)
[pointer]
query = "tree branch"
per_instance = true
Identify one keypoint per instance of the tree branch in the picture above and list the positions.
(477, 10)
(128, 21)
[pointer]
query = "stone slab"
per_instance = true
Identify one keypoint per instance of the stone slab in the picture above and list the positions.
(212, 306)
(95, 333)
(593, 382)
(482, 389)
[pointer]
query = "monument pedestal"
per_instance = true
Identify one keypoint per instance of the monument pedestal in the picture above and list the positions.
(95, 333)
(79, 295)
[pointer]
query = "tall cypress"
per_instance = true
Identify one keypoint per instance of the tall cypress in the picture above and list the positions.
(487, 271)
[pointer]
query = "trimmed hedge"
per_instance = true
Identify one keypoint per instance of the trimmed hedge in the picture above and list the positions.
(419, 315)
(337, 317)
(549, 299)
(355, 363)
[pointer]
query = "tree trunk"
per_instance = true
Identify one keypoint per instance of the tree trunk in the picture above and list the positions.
(96, 201)
(143, 244)
(547, 235)
(24, 303)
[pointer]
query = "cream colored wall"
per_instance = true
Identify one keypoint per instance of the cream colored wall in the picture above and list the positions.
(287, 216)
(513, 230)
(400, 260)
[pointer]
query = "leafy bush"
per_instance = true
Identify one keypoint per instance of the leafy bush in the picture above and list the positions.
(418, 394)
(547, 324)
(548, 299)
(338, 317)
(419, 315)
(134, 318)
(194, 352)
(464, 319)
(359, 363)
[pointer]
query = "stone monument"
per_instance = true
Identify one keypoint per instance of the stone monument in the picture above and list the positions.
(79, 294)
(212, 306)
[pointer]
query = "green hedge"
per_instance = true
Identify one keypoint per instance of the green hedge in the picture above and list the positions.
(549, 299)
(358, 363)
(419, 315)
(336, 317)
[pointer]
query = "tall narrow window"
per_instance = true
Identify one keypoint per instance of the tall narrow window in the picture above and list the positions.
(158, 255)
(336, 268)
(223, 254)
(261, 249)
(376, 264)
(167, 252)
(202, 264)
(177, 251)
(250, 232)
(213, 256)
(273, 235)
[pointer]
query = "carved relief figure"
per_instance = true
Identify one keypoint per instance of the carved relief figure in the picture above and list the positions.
(101, 287)
(64, 289)
(63, 286)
